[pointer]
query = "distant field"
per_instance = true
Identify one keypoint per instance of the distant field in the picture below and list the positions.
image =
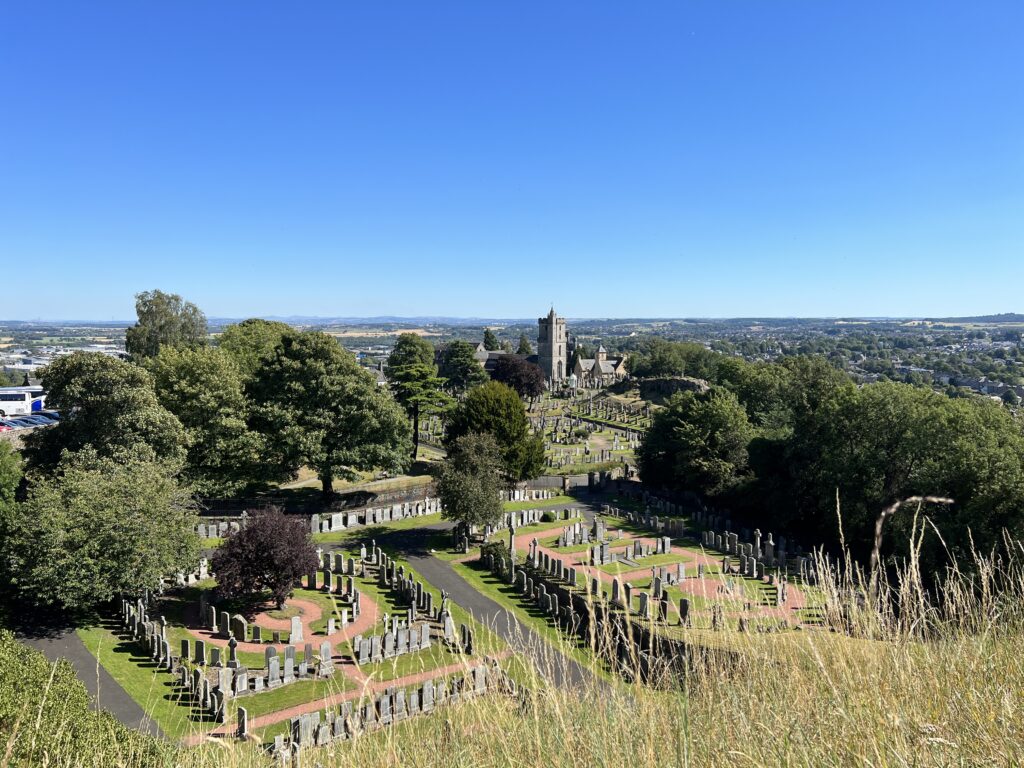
(351, 334)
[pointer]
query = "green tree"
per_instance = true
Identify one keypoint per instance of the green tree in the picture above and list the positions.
(459, 368)
(763, 388)
(107, 405)
(10, 479)
(658, 358)
(10, 474)
(878, 444)
(322, 410)
(164, 319)
(491, 343)
(412, 373)
(252, 341)
(100, 528)
(524, 345)
(469, 481)
(496, 409)
(699, 443)
(204, 389)
(661, 358)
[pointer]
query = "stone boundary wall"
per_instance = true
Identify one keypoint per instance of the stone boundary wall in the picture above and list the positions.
(669, 385)
(15, 437)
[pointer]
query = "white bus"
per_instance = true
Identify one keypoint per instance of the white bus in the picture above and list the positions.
(21, 401)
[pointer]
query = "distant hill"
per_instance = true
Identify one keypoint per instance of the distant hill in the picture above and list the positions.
(1005, 317)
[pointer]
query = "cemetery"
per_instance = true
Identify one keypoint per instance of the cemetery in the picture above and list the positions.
(373, 610)
(635, 583)
(652, 568)
(362, 618)
(629, 568)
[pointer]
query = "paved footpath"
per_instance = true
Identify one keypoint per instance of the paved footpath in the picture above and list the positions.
(104, 689)
(563, 670)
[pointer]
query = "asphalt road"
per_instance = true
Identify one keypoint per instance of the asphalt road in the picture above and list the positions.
(105, 691)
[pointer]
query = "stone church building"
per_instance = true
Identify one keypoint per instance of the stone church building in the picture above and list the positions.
(555, 351)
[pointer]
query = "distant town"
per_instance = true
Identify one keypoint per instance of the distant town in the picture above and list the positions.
(962, 356)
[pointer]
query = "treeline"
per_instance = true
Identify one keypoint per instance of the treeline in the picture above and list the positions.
(104, 502)
(797, 446)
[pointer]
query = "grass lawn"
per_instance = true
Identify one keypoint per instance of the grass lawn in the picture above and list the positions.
(651, 561)
(287, 612)
(530, 530)
(366, 532)
(293, 694)
(552, 543)
(555, 501)
(508, 597)
(155, 691)
(438, 655)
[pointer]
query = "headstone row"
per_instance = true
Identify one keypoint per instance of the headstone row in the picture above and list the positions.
(385, 708)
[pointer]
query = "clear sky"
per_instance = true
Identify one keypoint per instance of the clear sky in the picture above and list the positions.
(715, 158)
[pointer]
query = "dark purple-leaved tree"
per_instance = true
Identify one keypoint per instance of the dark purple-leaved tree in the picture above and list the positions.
(526, 378)
(270, 554)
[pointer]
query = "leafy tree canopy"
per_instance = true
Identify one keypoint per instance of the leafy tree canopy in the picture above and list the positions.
(412, 373)
(699, 443)
(10, 474)
(268, 555)
(495, 408)
(251, 341)
(164, 319)
(660, 358)
(204, 389)
(459, 368)
(524, 347)
(526, 378)
(491, 343)
(321, 410)
(107, 405)
(101, 528)
(469, 481)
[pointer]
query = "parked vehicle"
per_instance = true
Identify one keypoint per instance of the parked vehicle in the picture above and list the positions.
(23, 422)
(15, 401)
(41, 419)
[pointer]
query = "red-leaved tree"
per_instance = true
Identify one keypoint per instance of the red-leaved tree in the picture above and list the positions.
(526, 378)
(270, 554)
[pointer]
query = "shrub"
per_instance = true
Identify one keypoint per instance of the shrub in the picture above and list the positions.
(46, 716)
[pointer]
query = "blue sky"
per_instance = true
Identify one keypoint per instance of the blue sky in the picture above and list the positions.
(717, 158)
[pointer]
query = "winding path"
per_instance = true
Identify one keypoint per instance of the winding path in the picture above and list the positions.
(104, 690)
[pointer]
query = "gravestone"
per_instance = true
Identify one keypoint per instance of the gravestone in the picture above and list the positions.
(233, 653)
(239, 627)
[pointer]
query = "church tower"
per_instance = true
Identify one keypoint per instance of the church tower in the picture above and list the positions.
(552, 352)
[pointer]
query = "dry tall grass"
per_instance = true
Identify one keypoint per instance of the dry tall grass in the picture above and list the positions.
(920, 679)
